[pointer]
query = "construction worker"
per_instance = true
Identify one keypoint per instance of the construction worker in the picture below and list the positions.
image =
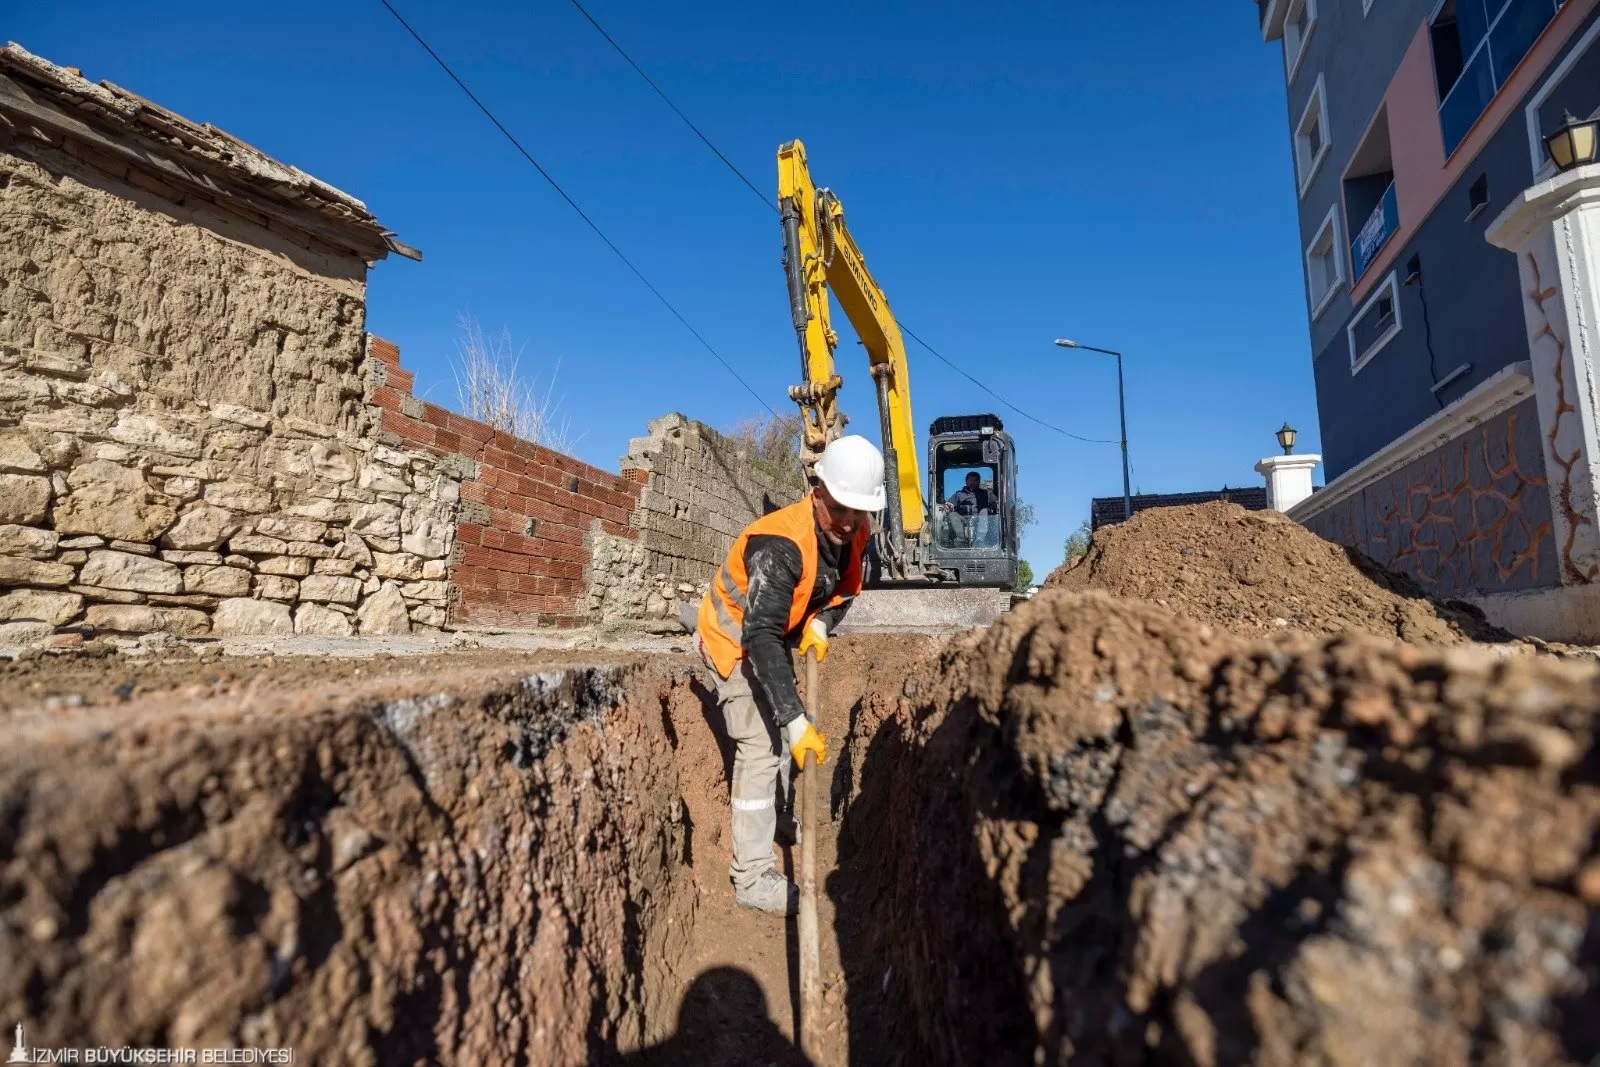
(788, 579)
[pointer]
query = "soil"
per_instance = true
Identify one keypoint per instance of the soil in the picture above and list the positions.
(473, 862)
(1259, 572)
(1097, 832)
(1123, 837)
(400, 859)
(101, 675)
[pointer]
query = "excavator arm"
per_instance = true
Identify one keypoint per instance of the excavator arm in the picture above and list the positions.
(820, 254)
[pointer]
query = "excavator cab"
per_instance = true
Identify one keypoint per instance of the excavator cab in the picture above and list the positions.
(973, 539)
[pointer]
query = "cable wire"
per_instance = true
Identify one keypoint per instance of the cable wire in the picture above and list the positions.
(769, 203)
(574, 205)
(1031, 418)
(763, 197)
(1427, 339)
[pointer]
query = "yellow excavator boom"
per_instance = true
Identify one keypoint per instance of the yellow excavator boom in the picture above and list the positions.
(820, 254)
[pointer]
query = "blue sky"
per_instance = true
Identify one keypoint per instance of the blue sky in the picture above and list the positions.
(1014, 172)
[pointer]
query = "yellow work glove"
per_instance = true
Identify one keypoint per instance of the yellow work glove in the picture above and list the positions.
(802, 736)
(814, 636)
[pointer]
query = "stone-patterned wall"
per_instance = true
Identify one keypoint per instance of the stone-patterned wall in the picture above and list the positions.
(182, 434)
(527, 515)
(698, 489)
(1471, 517)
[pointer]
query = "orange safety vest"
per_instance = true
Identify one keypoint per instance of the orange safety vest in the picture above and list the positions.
(721, 622)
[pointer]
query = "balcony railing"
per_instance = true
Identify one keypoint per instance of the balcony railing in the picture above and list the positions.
(1374, 233)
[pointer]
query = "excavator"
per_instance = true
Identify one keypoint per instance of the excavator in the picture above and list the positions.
(929, 568)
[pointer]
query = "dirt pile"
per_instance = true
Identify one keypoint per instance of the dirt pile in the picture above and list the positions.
(1101, 834)
(494, 873)
(1255, 572)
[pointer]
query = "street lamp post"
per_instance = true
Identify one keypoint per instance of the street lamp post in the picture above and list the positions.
(1122, 416)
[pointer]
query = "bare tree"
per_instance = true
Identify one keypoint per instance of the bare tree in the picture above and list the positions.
(772, 443)
(490, 387)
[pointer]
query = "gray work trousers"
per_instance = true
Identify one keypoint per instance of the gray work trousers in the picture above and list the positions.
(760, 774)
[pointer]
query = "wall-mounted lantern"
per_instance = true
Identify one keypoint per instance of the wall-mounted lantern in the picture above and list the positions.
(1573, 145)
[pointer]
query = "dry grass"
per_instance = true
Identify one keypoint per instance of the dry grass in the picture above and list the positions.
(491, 388)
(771, 443)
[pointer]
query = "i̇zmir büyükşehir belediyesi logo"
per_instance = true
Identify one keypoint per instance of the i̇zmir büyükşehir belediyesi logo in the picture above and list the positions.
(21, 1053)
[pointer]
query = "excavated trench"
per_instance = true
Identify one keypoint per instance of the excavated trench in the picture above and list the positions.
(466, 861)
(1096, 833)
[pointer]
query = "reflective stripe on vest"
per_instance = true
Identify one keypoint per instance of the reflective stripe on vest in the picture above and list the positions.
(721, 619)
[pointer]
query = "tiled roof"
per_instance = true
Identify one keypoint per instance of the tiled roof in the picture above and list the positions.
(1107, 510)
(199, 156)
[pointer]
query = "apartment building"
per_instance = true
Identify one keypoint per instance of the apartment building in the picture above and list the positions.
(1417, 130)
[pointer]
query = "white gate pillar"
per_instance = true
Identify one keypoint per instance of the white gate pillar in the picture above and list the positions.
(1553, 228)
(1288, 479)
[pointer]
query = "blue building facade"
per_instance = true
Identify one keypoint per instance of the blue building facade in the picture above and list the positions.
(1417, 131)
(1412, 124)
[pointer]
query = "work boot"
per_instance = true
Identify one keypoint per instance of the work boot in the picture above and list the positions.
(771, 892)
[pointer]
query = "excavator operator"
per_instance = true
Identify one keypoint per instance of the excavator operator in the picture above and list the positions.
(788, 580)
(967, 512)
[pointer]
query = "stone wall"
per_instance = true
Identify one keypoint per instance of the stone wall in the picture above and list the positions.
(697, 490)
(183, 440)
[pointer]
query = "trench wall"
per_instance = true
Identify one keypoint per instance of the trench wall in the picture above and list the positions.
(485, 872)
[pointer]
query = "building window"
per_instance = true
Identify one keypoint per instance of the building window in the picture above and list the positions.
(1375, 324)
(1476, 46)
(1477, 197)
(1298, 22)
(1324, 264)
(1572, 86)
(1311, 137)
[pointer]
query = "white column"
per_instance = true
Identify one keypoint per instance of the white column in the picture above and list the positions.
(1554, 230)
(1288, 479)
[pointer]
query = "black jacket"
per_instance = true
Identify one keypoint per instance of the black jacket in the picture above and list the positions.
(773, 564)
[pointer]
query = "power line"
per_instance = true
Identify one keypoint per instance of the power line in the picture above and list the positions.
(574, 205)
(666, 100)
(1032, 418)
(768, 202)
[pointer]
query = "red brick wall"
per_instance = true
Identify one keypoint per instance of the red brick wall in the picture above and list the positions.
(520, 552)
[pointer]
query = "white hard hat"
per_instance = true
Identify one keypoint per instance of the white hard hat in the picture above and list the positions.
(852, 470)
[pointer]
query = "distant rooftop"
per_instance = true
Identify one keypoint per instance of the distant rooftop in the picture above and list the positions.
(1107, 510)
(202, 157)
